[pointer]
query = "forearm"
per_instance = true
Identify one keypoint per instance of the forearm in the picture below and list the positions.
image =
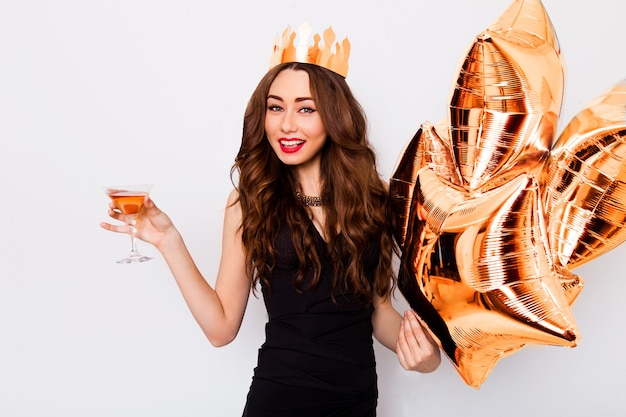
(386, 322)
(415, 348)
(202, 300)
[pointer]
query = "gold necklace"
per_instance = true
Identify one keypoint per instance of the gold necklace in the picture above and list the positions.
(311, 201)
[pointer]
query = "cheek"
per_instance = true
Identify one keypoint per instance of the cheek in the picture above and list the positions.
(316, 129)
(272, 128)
(266, 124)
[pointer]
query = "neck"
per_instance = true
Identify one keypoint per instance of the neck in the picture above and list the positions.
(309, 177)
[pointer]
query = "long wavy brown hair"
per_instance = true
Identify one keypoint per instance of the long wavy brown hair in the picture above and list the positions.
(356, 203)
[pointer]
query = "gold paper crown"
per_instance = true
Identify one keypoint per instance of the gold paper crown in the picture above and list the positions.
(318, 54)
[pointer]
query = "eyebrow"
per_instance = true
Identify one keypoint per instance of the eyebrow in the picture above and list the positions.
(297, 99)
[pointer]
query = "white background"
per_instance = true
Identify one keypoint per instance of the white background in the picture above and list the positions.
(129, 91)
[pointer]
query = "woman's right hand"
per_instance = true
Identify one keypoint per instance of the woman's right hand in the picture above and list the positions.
(152, 225)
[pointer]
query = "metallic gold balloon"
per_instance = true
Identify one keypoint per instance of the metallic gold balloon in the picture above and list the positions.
(491, 217)
(586, 182)
(506, 102)
(478, 271)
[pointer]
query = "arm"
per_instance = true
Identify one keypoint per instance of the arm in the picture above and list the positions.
(416, 349)
(219, 311)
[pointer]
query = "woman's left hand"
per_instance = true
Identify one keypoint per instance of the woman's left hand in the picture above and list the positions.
(416, 349)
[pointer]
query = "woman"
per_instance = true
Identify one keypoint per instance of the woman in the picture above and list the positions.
(309, 223)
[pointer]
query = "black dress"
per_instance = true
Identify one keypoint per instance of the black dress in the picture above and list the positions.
(318, 356)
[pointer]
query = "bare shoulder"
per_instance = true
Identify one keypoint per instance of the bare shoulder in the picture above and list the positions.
(233, 198)
(232, 213)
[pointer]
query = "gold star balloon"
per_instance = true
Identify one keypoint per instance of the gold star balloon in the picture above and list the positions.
(585, 189)
(492, 214)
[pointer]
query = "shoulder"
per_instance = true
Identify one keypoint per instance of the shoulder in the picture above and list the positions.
(233, 198)
(233, 208)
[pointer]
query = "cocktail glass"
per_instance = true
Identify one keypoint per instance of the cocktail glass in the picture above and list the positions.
(129, 200)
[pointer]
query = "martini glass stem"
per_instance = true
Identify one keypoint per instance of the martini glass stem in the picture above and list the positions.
(133, 239)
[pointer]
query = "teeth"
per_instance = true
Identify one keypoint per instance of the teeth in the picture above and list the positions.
(291, 142)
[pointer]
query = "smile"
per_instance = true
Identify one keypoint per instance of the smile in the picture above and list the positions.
(291, 145)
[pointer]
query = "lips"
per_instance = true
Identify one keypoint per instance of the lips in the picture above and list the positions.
(291, 145)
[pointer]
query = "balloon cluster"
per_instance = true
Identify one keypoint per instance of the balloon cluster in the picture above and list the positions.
(494, 213)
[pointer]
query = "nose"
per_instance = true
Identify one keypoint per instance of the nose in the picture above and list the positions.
(288, 122)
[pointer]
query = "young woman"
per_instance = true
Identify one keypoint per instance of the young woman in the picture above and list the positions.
(308, 222)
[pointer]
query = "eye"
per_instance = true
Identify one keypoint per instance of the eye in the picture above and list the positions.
(307, 110)
(274, 107)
